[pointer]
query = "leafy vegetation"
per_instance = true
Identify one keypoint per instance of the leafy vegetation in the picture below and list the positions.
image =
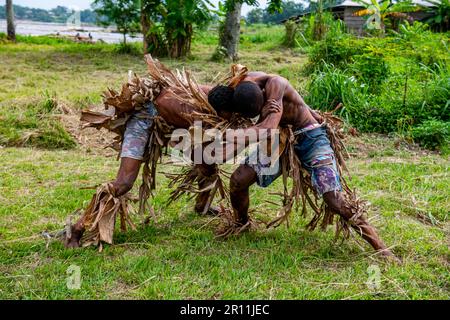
(380, 12)
(432, 134)
(124, 14)
(440, 14)
(287, 10)
(168, 26)
(389, 84)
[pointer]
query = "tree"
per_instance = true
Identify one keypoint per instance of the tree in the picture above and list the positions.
(230, 29)
(379, 12)
(11, 28)
(168, 25)
(440, 15)
(125, 14)
(255, 16)
(288, 10)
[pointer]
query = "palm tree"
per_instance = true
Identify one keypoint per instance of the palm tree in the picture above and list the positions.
(379, 12)
(11, 28)
(440, 11)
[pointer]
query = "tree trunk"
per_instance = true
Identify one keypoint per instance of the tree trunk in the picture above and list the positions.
(124, 38)
(181, 45)
(11, 28)
(229, 37)
(153, 42)
(145, 25)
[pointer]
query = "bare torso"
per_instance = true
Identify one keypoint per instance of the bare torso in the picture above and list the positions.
(295, 111)
(174, 111)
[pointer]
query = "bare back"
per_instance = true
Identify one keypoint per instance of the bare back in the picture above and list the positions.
(174, 111)
(295, 111)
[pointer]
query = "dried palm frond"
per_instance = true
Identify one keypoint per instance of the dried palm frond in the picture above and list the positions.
(100, 216)
(182, 85)
(157, 142)
(190, 179)
(303, 190)
(229, 227)
(237, 73)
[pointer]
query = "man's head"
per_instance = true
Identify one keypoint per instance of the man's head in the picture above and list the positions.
(248, 99)
(221, 98)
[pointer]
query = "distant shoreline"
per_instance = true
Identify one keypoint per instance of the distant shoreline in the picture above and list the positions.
(83, 24)
(36, 28)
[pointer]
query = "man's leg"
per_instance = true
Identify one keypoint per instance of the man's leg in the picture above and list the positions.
(337, 202)
(128, 172)
(207, 175)
(134, 143)
(240, 181)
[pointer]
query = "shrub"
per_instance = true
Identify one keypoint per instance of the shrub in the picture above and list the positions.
(331, 86)
(129, 48)
(337, 51)
(432, 134)
(291, 29)
(371, 68)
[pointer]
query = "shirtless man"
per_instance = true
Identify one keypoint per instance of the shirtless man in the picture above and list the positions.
(134, 144)
(278, 104)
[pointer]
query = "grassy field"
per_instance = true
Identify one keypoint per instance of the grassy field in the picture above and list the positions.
(177, 257)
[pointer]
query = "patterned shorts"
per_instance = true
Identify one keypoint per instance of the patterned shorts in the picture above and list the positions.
(137, 132)
(317, 157)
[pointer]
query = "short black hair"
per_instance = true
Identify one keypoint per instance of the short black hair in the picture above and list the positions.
(221, 98)
(248, 99)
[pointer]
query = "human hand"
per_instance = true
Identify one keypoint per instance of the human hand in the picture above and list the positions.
(271, 106)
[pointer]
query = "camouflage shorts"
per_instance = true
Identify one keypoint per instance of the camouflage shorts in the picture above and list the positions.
(137, 132)
(317, 157)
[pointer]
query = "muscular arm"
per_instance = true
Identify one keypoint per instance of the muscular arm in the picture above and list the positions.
(275, 89)
(316, 116)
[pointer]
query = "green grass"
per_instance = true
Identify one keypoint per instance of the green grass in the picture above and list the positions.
(177, 257)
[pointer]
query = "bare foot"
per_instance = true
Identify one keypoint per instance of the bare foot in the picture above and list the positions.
(389, 256)
(213, 211)
(75, 237)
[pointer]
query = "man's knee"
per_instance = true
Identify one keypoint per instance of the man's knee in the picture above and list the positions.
(333, 200)
(242, 178)
(237, 183)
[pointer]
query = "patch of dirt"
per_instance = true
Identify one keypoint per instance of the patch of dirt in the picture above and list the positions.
(90, 140)
(368, 145)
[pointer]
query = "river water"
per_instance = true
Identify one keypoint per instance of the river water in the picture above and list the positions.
(42, 28)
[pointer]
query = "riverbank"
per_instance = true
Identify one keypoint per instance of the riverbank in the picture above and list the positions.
(32, 28)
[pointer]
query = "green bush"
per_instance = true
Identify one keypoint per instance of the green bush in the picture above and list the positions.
(371, 68)
(389, 84)
(331, 86)
(432, 134)
(129, 48)
(337, 51)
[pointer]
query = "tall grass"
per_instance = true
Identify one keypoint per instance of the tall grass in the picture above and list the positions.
(34, 124)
